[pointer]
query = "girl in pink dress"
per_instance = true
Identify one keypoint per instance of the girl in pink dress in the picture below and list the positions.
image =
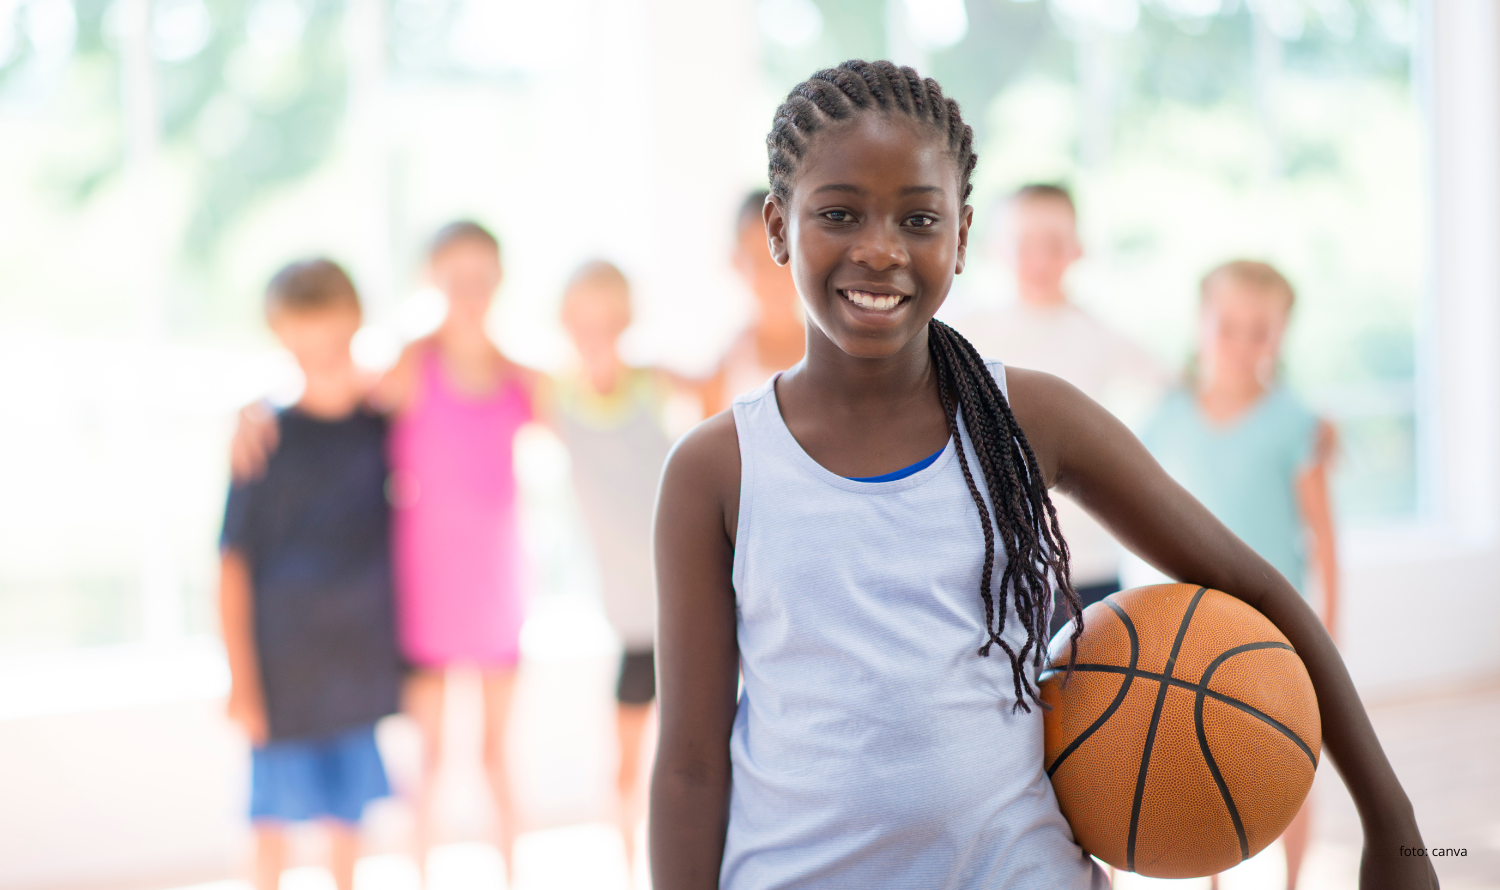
(458, 402)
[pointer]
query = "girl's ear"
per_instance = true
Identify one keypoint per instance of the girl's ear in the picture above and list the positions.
(776, 231)
(965, 219)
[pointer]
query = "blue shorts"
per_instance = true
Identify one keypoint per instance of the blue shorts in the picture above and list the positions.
(332, 777)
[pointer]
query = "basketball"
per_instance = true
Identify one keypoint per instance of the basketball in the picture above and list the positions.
(1186, 739)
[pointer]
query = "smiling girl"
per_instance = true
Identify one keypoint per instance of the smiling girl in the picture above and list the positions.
(856, 535)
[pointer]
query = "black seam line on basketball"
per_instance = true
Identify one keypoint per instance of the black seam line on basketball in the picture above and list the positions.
(1161, 701)
(1135, 653)
(1195, 687)
(1208, 756)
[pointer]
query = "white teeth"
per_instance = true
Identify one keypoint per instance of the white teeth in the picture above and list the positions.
(867, 300)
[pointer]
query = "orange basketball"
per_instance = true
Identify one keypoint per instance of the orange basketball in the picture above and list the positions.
(1187, 737)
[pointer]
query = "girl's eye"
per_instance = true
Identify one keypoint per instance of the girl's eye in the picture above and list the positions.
(837, 216)
(920, 221)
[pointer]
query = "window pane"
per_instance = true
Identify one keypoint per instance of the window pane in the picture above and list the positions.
(1194, 132)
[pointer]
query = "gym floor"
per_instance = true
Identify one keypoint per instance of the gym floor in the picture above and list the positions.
(1446, 749)
(1443, 746)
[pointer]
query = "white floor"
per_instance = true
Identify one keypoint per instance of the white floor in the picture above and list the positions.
(591, 857)
(580, 857)
(1452, 785)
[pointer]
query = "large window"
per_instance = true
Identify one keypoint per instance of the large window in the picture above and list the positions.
(1196, 131)
(159, 159)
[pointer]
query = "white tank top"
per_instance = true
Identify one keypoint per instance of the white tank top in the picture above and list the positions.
(872, 746)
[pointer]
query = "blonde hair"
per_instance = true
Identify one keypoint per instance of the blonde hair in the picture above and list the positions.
(1256, 275)
(595, 274)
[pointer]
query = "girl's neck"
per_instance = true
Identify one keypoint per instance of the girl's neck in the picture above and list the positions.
(1051, 297)
(1223, 399)
(460, 341)
(473, 364)
(863, 384)
(603, 373)
(333, 393)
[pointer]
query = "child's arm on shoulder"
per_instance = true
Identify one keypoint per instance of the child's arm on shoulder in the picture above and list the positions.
(256, 437)
(257, 433)
(237, 621)
(396, 389)
(697, 656)
(1091, 456)
(1317, 512)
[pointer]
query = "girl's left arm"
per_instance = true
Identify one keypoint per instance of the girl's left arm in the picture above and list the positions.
(1317, 512)
(1088, 454)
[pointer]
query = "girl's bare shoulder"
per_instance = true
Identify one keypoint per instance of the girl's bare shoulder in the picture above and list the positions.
(703, 470)
(1042, 400)
(1060, 422)
(710, 450)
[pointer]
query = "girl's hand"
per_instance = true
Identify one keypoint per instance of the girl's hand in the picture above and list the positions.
(248, 711)
(1390, 861)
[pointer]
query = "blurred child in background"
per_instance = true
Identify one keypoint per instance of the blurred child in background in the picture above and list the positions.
(1245, 446)
(610, 417)
(1037, 238)
(775, 338)
(457, 403)
(305, 587)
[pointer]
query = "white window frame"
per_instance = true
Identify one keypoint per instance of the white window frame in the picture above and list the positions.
(1432, 587)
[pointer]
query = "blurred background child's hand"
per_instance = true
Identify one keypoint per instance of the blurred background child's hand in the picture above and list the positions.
(255, 438)
(248, 711)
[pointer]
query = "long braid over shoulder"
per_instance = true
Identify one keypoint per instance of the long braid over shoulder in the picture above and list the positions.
(1009, 492)
(1022, 514)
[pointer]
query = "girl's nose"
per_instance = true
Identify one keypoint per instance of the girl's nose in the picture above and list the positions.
(879, 250)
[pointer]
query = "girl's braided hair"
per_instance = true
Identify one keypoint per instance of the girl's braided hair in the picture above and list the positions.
(1022, 514)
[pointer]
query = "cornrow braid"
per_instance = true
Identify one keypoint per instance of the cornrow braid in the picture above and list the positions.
(837, 94)
(1018, 510)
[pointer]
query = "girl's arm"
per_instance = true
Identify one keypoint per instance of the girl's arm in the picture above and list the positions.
(697, 656)
(256, 437)
(542, 391)
(237, 621)
(1093, 458)
(1317, 512)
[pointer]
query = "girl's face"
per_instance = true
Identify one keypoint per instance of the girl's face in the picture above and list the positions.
(467, 272)
(770, 283)
(1239, 333)
(875, 229)
(596, 315)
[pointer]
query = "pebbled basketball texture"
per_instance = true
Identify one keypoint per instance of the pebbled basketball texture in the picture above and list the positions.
(1187, 737)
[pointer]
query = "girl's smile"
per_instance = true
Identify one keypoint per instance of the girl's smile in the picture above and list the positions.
(875, 301)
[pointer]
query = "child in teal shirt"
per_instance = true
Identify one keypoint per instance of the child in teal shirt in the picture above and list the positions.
(1249, 449)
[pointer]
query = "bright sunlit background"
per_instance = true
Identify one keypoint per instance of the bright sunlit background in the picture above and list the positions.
(160, 158)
